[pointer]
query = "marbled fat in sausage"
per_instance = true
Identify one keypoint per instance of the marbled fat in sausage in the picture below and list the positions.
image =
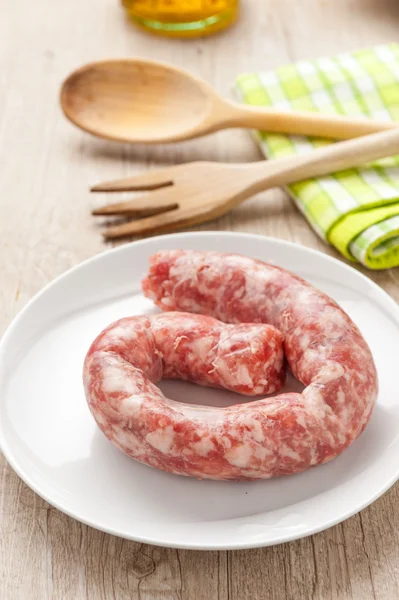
(325, 351)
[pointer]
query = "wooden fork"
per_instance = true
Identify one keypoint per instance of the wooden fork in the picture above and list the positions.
(192, 193)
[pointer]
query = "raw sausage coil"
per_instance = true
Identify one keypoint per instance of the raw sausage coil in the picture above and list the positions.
(324, 348)
(274, 436)
(130, 356)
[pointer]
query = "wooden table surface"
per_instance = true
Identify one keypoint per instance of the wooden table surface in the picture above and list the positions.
(46, 166)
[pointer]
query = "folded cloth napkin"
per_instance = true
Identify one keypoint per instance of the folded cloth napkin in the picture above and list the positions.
(357, 210)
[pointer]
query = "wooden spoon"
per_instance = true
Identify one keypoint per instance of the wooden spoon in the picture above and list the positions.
(135, 100)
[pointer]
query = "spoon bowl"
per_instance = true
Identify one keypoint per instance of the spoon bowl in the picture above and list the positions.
(135, 100)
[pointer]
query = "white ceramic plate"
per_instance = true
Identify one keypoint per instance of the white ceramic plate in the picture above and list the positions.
(50, 439)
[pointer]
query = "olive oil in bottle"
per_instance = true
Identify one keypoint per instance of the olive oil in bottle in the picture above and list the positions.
(182, 18)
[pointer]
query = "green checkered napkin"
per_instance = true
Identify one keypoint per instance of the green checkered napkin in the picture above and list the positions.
(356, 210)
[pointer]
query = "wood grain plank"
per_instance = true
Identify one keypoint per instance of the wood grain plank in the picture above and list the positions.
(45, 227)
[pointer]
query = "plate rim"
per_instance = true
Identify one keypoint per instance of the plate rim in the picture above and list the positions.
(26, 478)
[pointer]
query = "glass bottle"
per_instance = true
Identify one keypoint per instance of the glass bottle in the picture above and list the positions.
(182, 18)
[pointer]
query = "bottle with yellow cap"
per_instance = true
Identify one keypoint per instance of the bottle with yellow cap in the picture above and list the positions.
(182, 18)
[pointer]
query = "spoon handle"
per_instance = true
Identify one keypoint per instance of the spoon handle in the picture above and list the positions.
(330, 159)
(302, 123)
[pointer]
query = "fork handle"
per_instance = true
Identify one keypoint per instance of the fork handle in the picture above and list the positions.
(330, 159)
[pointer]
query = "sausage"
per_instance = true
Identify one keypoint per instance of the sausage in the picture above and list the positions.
(130, 356)
(325, 350)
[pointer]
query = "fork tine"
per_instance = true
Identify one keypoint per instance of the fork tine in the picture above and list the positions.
(150, 180)
(167, 221)
(160, 222)
(159, 201)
